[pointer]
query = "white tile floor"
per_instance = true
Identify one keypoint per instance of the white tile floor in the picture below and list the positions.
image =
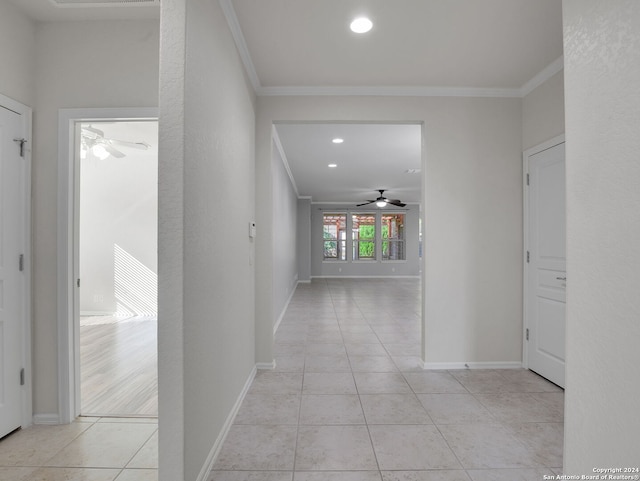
(349, 401)
(90, 449)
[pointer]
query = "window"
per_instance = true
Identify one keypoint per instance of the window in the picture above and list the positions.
(393, 237)
(335, 236)
(363, 236)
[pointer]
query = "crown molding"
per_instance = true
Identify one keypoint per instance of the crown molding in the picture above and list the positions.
(542, 76)
(103, 3)
(283, 156)
(388, 91)
(241, 44)
(346, 205)
(382, 91)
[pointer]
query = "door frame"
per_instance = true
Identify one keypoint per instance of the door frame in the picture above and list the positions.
(68, 183)
(26, 113)
(526, 155)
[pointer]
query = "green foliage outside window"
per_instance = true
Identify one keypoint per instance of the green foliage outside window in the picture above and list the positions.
(330, 246)
(366, 249)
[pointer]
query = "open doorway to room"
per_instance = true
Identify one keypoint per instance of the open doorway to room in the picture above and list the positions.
(116, 250)
(359, 190)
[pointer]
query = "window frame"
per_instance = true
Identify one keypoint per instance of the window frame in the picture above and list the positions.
(373, 240)
(337, 239)
(402, 241)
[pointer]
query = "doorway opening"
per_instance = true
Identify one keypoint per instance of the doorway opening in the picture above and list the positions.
(107, 262)
(117, 254)
(359, 189)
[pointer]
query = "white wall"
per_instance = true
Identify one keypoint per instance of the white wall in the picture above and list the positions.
(171, 189)
(285, 249)
(602, 74)
(472, 200)
(543, 112)
(119, 225)
(17, 55)
(304, 239)
(69, 74)
(206, 198)
(321, 268)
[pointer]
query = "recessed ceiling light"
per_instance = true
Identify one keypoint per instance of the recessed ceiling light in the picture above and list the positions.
(361, 25)
(337, 140)
(332, 166)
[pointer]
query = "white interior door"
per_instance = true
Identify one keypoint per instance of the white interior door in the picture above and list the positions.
(546, 283)
(11, 284)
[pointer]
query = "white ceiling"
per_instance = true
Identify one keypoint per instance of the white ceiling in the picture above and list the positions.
(499, 44)
(48, 11)
(433, 47)
(372, 156)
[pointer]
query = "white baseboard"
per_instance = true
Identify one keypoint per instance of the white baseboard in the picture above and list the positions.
(265, 366)
(472, 365)
(217, 446)
(305, 282)
(46, 418)
(365, 277)
(284, 309)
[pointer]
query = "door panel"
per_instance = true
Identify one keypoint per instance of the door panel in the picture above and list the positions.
(551, 328)
(11, 228)
(546, 284)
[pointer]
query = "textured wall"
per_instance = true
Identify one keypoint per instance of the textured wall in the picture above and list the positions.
(285, 248)
(17, 55)
(119, 207)
(206, 256)
(473, 209)
(304, 239)
(68, 76)
(171, 145)
(543, 112)
(602, 75)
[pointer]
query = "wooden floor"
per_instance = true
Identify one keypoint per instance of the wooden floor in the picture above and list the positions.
(119, 368)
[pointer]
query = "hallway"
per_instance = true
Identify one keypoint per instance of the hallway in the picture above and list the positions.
(348, 400)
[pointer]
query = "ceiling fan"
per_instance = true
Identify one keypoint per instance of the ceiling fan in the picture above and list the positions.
(382, 201)
(93, 139)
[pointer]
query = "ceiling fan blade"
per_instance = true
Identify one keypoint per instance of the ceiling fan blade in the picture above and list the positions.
(93, 130)
(395, 202)
(366, 203)
(132, 145)
(113, 151)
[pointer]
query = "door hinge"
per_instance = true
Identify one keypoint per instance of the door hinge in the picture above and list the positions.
(527, 257)
(21, 142)
(21, 262)
(527, 334)
(527, 179)
(78, 282)
(22, 376)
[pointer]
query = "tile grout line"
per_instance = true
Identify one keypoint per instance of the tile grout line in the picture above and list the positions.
(373, 449)
(92, 424)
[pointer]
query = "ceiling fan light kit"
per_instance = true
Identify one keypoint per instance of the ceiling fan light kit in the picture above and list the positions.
(93, 139)
(361, 25)
(383, 201)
